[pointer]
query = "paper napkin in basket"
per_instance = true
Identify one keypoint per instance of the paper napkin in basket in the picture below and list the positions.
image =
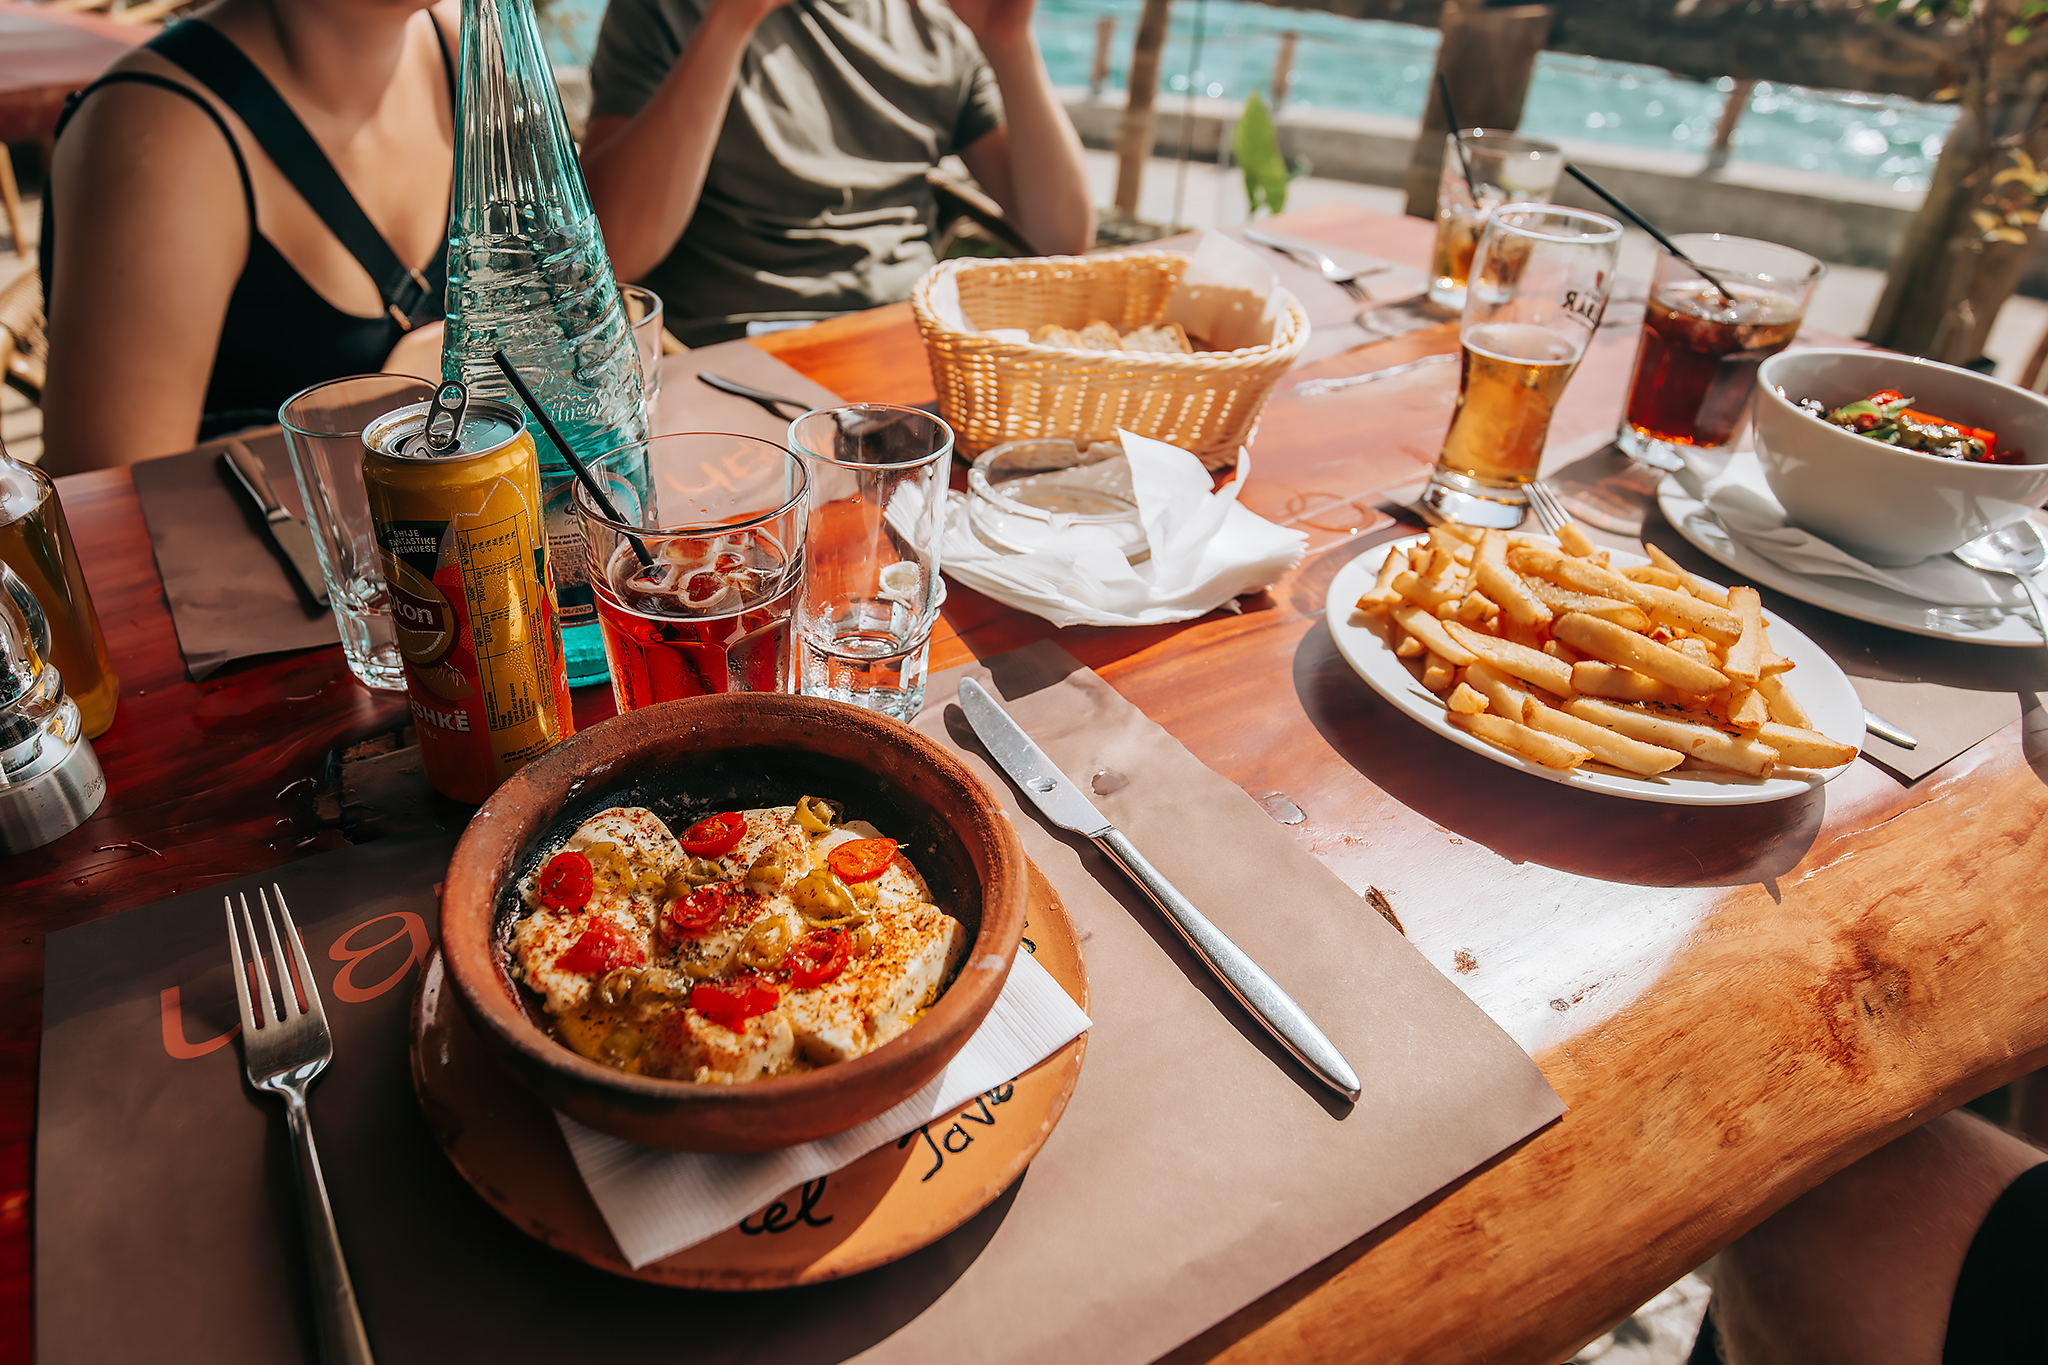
(656, 1203)
(1206, 550)
(1741, 499)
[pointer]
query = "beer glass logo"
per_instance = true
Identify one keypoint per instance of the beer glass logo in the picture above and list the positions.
(1586, 305)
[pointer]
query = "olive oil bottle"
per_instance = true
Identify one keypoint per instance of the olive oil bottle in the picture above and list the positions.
(36, 544)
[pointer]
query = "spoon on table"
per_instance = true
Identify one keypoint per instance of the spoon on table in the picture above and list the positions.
(2014, 550)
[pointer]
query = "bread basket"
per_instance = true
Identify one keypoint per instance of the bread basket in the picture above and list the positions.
(993, 390)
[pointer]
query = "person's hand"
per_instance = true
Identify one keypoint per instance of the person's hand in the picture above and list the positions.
(996, 23)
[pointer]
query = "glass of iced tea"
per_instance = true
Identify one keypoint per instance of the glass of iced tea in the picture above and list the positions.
(1696, 368)
(1506, 168)
(1539, 286)
(697, 577)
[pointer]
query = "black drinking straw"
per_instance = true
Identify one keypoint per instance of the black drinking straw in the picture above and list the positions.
(547, 424)
(1646, 225)
(1443, 90)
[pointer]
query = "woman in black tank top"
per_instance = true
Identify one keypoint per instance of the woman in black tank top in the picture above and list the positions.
(164, 330)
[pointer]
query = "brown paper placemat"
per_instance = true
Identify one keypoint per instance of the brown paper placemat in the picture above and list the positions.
(227, 584)
(1194, 1170)
(689, 404)
(1332, 313)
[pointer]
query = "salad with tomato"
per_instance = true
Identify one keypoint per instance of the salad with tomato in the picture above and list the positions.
(1890, 416)
(746, 943)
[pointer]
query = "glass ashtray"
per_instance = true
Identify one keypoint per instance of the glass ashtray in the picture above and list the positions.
(1023, 495)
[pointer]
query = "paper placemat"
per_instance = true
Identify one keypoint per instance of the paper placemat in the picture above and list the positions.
(689, 404)
(1194, 1170)
(230, 594)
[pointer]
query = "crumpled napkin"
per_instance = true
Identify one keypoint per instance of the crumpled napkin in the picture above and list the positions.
(1741, 499)
(1206, 550)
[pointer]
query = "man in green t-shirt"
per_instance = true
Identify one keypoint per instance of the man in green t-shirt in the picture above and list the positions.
(753, 156)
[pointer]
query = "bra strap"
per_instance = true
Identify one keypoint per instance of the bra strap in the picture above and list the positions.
(207, 55)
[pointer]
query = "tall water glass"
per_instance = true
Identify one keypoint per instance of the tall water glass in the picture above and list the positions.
(644, 312)
(1539, 286)
(1506, 168)
(878, 497)
(323, 430)
(1696, 368)
(697, 577)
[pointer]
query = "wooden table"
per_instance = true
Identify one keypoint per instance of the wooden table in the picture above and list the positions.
(1740, 1000)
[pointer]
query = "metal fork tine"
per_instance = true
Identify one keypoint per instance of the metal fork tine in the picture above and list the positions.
(241, 966)
(270, 1015)
(287, 989)
(299, 963)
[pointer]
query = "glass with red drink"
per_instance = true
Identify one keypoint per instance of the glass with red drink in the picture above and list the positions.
(1696, 367)
(697, 577)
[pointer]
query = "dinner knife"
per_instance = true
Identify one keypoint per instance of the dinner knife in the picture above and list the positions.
(1064, 804)
(287, 530)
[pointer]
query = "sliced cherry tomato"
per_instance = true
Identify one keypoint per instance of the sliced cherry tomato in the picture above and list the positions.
(1884, 396)
(716, 836)
(704, 909)
(731, 1003)
(566, 881)
(862, 860)
(816, 958)
(604, 947)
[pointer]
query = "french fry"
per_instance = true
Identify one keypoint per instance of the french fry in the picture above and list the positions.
(1745, 654)
(1469, 534)
(1622, 684)
(1609, 643)
(1574, 542)
(1737, 753)
(1520, 740)
(1561, 599)
(1503, 585)
(1449, 547)
(1683, 611)
(1692, 647)
(1431, 632)
(1382, 595)
(1532, 665)
(1654, 576)
(1694, 584)
(1437, 673)
(1800, 747)
(1464, 699)
(1477, 609)
(1502, 696)
(1785, 708)
(1430, 593)
(1610, 747)
(1409, 647)
(1582, 575)
(1747, 711)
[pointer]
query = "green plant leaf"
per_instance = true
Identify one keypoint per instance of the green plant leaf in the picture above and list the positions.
(1257, 148)
(1884, 9)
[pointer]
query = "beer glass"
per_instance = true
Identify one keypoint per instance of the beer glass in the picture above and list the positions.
(722, 524)
(1539, 285)
(878, 497)
(1506, 169)
(1696, 368)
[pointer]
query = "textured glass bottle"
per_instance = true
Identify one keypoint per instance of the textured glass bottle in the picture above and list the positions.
(527, 271)
(35, 542)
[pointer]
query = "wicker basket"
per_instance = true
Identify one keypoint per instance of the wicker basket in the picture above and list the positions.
(991, 391)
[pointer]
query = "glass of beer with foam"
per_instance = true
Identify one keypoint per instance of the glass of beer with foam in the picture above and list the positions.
(1538, 288)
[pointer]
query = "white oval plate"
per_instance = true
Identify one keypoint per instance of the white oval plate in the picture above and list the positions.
(1850, 597)
(1821, 686)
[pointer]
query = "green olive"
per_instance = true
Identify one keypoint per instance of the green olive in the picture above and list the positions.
(816, 815)
(659, 983)
(616, 987)
(691, 875)
(623, 1045)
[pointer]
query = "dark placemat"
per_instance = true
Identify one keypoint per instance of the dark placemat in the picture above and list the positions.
(229, 587)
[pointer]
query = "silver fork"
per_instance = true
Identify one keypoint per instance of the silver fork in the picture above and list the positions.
(283, 1049)
(1549, 511)
(1347, 280)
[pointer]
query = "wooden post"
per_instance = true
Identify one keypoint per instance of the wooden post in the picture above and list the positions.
(1141, 93)
(1098, 74)
(1724, 131)
(1283, 70)
(1489, 57)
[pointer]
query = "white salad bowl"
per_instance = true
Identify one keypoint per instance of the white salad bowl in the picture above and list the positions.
(1885, 504)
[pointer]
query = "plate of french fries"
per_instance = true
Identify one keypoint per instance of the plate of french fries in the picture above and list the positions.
(1595, 667)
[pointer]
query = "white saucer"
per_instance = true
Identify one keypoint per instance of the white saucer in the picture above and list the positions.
(1852, 597)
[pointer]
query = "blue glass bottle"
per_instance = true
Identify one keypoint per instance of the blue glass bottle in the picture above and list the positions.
(527, 271)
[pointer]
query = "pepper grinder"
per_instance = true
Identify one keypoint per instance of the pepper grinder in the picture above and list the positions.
(50, 779)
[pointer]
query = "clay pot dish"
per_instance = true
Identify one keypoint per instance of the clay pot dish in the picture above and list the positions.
(688, 759)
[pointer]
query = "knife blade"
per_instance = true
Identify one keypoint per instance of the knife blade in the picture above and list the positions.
(286, 530)
(1064, 804)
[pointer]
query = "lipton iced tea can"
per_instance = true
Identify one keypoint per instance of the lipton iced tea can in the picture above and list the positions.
(454, 490)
